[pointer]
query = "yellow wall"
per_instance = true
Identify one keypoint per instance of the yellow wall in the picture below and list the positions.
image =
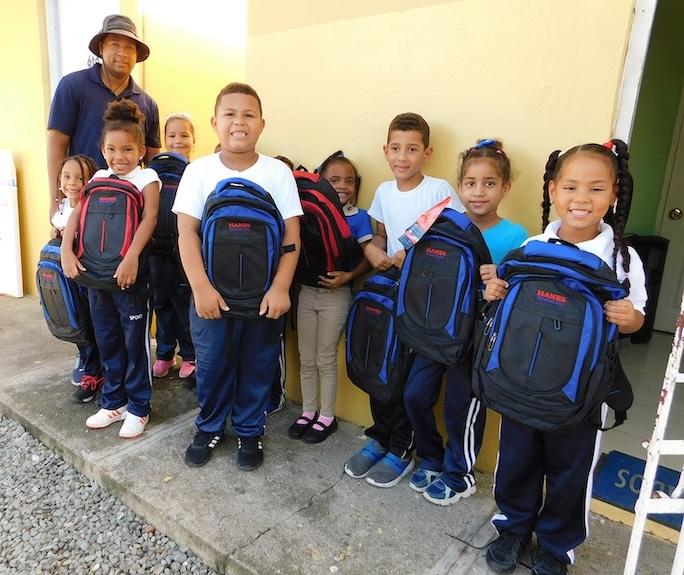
(195, 51)
(540, 75)
(24, 101)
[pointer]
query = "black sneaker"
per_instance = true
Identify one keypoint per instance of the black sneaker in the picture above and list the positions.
(250, 453)
(543, 563)
(87, 390)
(201, 448)
(504, 552)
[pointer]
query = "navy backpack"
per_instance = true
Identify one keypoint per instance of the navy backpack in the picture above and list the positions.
(64, 304)
(546, 355)
(242, 234)
(169, 168)
(111, 210)
(438, 297)
(377, 361)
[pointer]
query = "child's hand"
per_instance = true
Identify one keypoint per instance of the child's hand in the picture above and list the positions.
(398, 258)
(620, 312)
(70, 264)
(378, 258)
(335, 279)
(127, 272)
(487, 272)
(208, 302)
(276, 303)
(495, 289)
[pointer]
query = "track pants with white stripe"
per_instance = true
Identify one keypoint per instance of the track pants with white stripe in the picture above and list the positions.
(121, 320)
(464, 419)
(563, 461)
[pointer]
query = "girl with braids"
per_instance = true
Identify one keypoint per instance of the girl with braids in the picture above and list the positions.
(122, 318)
(322, 312)
(74, 172)
(590, 188)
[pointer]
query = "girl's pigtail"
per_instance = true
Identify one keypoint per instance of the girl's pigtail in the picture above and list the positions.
(548, 176)
(625, 185)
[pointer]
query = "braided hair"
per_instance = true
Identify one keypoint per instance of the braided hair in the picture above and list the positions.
(490, 149)
(617, 153)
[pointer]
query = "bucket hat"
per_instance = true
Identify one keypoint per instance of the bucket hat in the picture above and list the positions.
(124, 26)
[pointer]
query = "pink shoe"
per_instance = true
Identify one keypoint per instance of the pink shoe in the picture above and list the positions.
(187, 368)
(162, 367)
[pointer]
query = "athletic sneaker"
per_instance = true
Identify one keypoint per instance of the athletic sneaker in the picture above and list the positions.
(440, 493)
(106, 417)
(543, 563)
(202, 448)
(78, 372)
(187, 368)
(359, 464)
(133, 426)
(90, 385)
(162, 367)
(504, 552)
(421, 478)
(389, 471)
(250, 453)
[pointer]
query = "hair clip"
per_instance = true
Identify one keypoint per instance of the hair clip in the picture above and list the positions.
(484, 143)
(609, 145)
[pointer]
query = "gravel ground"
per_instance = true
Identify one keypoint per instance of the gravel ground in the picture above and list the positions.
(55, 520)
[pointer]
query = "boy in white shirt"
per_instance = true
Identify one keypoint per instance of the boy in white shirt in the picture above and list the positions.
(236, 358)
(396, 206)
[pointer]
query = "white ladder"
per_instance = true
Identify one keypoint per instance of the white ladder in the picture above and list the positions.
(659, 502)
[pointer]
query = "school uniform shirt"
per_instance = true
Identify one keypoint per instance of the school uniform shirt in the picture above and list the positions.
(502, 238)
(202, 175)
(61, 217)
(139, 177)
(359, 222)
(398, 210)
(602, 246)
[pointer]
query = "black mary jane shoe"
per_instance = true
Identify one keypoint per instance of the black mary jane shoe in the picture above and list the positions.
(313, 435)
(297, 430)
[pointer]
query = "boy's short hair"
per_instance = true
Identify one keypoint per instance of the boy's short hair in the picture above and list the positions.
(407, 122)
(238, 88)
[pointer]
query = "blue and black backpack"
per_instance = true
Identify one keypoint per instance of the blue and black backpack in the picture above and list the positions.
(437, 302)
(64, 303)
(546, 355)
(377, 361)
(242, 234)
(169, 168)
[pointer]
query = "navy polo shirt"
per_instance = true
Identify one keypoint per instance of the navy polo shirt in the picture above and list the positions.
(79, 105)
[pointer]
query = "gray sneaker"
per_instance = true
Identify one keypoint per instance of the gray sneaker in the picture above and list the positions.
(389, 471)
(359, 464)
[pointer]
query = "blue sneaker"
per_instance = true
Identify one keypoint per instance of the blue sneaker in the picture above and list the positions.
(440, 493)
(78, 371)
(359, 464)
(422, 478)
(389, 471)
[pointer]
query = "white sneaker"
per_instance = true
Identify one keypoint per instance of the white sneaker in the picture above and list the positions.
(133, 426)
(106, 417)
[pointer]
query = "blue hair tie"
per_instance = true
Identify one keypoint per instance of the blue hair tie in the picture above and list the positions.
(484, 143)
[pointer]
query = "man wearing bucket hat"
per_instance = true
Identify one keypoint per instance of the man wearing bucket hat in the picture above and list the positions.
(75, 122)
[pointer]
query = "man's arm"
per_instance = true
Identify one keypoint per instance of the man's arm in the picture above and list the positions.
(57, 146)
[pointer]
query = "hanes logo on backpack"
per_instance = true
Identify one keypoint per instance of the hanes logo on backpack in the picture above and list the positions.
(373, 310)
(435, 252)
(239, 226)
(551, 297)
(106, 199)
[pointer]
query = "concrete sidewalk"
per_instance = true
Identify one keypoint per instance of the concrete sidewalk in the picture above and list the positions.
(299, 513)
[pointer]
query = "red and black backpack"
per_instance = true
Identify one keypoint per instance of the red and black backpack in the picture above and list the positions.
(111, 210)
(327, 240)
